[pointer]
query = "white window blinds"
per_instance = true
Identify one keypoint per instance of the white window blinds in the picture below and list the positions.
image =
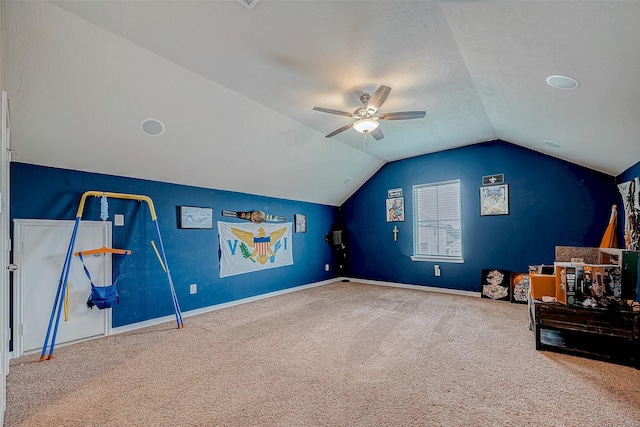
(437, 228)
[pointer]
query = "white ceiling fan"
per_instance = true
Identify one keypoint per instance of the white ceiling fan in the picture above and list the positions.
(366, 118)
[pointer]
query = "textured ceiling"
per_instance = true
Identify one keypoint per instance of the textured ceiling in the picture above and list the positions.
(235, 87)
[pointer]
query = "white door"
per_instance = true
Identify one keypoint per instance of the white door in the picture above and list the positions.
(40, 248)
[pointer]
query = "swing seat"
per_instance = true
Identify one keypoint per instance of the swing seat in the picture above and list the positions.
(103, 296)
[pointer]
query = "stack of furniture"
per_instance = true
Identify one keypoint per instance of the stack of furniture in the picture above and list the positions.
(573, 319)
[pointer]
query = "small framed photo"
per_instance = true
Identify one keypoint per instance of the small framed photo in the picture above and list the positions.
(494, 200)
(194, 217)
(493, 179)
(300, 223)
(395, 209)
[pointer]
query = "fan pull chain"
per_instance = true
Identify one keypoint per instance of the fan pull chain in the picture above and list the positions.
(364, 144)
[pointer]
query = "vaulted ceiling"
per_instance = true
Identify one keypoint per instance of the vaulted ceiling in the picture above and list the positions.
(235, 87)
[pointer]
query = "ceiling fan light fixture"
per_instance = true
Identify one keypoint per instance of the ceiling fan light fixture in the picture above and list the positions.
(366, 125)
(367, 118)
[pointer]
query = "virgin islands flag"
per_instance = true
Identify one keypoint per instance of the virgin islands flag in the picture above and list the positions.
(251, 247)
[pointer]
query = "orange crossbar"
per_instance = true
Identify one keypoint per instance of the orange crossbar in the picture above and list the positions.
(104, 250)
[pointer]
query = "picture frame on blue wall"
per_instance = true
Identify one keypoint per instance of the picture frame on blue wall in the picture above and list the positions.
(494, 200)
(493, 179)
(395, 209)
(300, 221)
(195, 217)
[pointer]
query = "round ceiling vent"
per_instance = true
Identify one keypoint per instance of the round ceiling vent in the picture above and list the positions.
(152, 127)
(562, 82)
(346, 180)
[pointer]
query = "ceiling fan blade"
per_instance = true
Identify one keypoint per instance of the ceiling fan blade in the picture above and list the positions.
(330, 111)
(342, 129)
(402, 115)
(378, 98)
(377, 134)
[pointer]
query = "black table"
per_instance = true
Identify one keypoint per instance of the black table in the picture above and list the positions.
(611, 333)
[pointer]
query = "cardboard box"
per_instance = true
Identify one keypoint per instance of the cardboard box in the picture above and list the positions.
(572, 280)
(594, 280)
(599, 281)
(568, 281)
(567, 253)
(542, 285)
(583, 289)
(609, 256)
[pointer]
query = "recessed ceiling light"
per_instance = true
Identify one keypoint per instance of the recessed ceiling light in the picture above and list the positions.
(562, 82)
(152, 127)
(346, 180)
(552, 144)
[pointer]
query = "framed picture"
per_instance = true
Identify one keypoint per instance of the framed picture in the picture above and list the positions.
(300, 222)
(395, 209)
(496, 284)
(494, 200)
(520, 288)
(493, 179)
(194, 217)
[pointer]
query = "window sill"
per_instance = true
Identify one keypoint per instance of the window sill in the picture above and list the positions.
(436, 259)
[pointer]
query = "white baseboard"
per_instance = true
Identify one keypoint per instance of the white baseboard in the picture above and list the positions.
(418, 287)
(171, 318)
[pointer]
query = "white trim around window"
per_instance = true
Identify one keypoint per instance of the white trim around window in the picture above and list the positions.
(437, 222)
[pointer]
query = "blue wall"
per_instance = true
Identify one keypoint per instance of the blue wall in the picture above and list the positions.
(552, 202)
(631, 173)
(50, 193)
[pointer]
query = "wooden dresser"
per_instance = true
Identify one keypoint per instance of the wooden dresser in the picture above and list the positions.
(601, 332)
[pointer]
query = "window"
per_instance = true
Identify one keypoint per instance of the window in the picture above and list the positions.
(437, 222)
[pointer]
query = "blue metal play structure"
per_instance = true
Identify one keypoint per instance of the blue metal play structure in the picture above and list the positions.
(56, 310)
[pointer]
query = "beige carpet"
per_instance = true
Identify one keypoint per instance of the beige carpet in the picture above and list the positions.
(344, 354)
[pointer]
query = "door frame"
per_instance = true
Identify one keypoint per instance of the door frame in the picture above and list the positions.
(19, 227)
(5, 247)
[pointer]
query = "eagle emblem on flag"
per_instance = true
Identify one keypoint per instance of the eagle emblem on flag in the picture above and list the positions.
(264, 246)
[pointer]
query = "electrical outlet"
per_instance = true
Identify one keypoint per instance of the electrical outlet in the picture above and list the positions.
(436, 269)
(118, 220)
(193, 288)
(326, 267)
